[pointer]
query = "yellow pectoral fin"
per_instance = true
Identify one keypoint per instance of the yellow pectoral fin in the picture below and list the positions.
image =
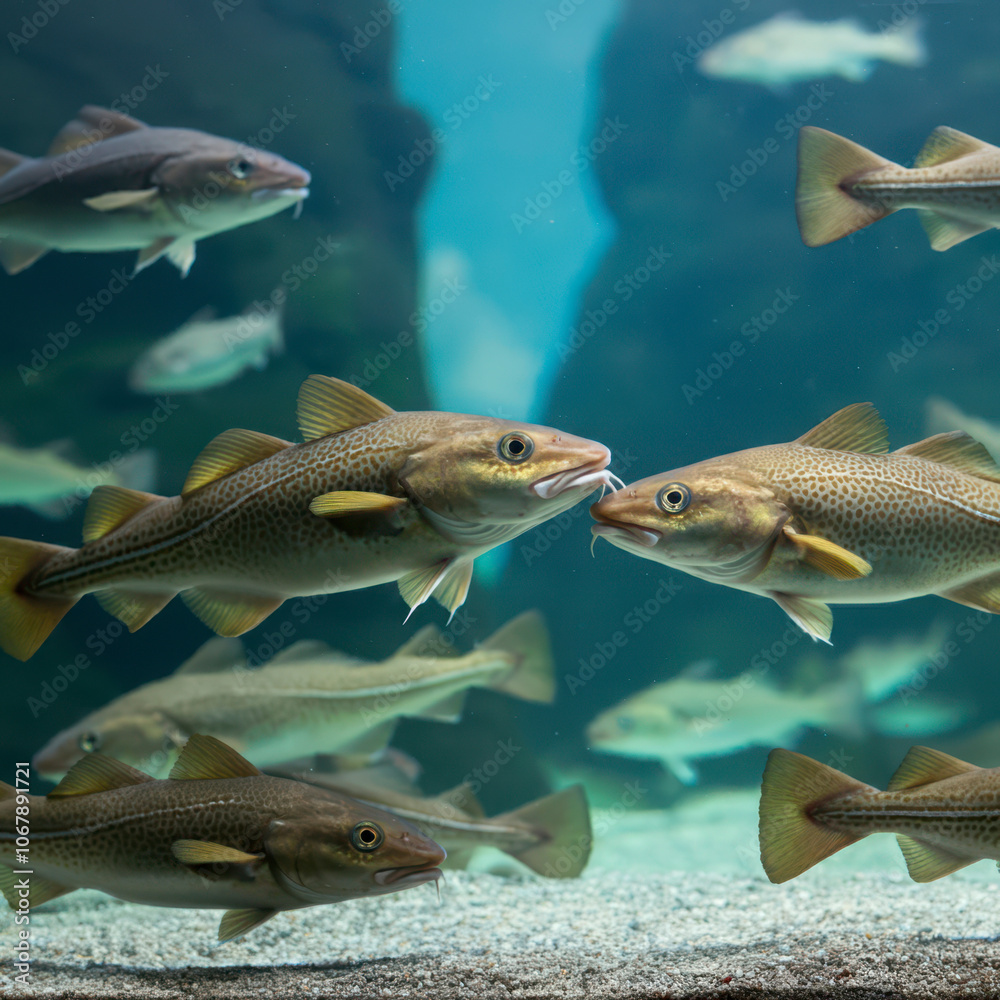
(345, 502)
(114, 200)
(203, 852)
(829, 557)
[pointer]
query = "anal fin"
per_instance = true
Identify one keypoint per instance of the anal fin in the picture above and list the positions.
(982, 594)
(944, 231)
(236, 923)
(229, 614)
(133, 607)
(812, 616)
(448, 709)
(40, 890)
(16, 256)
(927, 862)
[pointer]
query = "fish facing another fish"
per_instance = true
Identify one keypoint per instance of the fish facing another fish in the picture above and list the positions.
(842, 187)
(110, 182)
(551, 835)
(943, 811)
(372, 496)
(688, 717)
(786, 49)
(307, 699)
(52, 485)
(207, 352)
(828, 518)
(217, 834)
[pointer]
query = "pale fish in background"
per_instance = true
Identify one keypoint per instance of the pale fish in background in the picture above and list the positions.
(307, 699)
(831, 517)
(882, 667)
(954, 185)
(940, 414)
(207, 352)
(218, 834)
(787, 49)
(372, 496)
(551, 835)
(110, 182)
(50, 483)
(689, 717)
(942, 810)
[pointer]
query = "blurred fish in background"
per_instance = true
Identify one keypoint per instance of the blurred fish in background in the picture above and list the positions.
(941, 415)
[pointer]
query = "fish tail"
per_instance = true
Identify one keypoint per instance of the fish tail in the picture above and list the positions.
(823, 206)
(905, 45)
(7, 791)
(791, 841)
(563, 822)
(526, 638)
(26, 619)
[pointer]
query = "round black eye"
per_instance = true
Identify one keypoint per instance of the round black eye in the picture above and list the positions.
(673, 498)
(625, 723)
(89, 742)
(367, 836)
(240, 168)
(515, 447)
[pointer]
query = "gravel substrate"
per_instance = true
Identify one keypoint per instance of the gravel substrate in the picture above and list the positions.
(636, 933)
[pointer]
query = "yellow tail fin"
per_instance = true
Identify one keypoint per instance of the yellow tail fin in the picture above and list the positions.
(562, 820)
(825, 210)
(26, 620)
(526, 637)
(791, 841)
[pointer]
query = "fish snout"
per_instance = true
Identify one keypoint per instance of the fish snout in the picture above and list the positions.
(617, 532)
(586, 477)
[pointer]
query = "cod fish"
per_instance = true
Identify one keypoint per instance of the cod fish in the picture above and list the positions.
(110, 182)
(954, 184)
(551, 835)
(786, 49)
(689, 717)
(940, 414)
(217, 834)
(943, 811)
(306, 699)
(51, 484)
(206, 352)
(372, 496)
(827, 518)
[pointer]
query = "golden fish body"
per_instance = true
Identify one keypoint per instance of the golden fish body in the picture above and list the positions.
(945, 813)
(370, 497)
(830, 517)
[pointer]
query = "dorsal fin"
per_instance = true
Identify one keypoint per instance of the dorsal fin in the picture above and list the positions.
(306, 649)
(959, 451)
(425, 642)
(922, 765)
(857, 427)
(328, 405)
(463, 798)
(231, 451)
(92, 124)
(97, 773)
(945, 144)
(110, 507)
(219, 653)
(205, 757)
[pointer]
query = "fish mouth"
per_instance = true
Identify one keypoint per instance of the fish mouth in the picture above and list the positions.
(584, 477)
(297, 191)
(403, 878)
(616, 532)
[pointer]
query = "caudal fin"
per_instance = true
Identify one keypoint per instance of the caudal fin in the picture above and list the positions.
(825, 210)
(26, 620)
(905, 46)
(562, 821)
(791, 841)
(526, 637)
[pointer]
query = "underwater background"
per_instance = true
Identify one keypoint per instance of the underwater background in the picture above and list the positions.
(541, 160)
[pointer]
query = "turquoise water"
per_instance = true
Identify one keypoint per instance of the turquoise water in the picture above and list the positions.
(593, 236)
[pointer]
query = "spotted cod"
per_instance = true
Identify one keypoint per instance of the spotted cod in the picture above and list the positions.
(371, 496)
(943, 811)
(217, 834)
(827, 518)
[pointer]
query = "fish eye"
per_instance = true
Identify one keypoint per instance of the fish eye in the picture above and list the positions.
(367, 836)
(515, 447)
(625, 723)
(240, 168)
(89, 742)
(673, 498)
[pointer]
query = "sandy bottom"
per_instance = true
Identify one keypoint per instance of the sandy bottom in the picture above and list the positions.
(674, 905)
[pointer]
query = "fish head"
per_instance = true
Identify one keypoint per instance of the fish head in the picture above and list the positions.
(334, 847)
(485, 479)
(146, 740)
(216, 184)
(715, 519)
(641, 726)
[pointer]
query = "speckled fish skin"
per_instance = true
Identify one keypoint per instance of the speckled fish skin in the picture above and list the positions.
(427, 492)
(944, 811)
(297, 839)
(762, 520)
